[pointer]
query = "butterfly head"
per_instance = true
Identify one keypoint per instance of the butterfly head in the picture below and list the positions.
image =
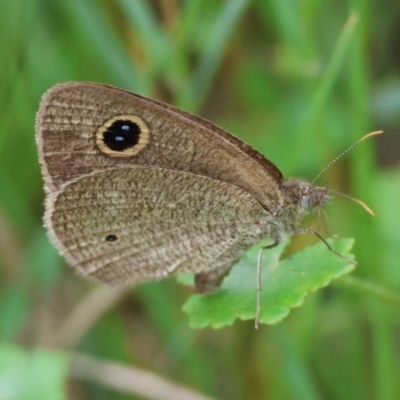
(299, 198)
(304, 196)
(313, 196)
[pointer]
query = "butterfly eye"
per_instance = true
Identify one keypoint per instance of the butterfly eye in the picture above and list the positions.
(122, 136)
(111, 238)
(308, 202)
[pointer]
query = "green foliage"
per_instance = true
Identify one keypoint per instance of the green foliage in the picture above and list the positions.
(285, 283)
(299, 80)
(35, 375)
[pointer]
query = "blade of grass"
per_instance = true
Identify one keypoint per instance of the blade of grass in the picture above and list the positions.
(385, 365)
(323, 91)
(154, 41)
(212, 54)
(298, 375)
(113, 55)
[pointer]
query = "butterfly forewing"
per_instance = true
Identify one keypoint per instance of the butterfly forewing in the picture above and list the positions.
(71, 116)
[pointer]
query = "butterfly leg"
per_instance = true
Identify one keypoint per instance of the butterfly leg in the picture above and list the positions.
(259, 262)
(210, 281)
(311, 230)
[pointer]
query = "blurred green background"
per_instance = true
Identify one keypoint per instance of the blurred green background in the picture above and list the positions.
(299, 80)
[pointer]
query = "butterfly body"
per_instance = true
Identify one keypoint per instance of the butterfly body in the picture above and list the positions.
(138, 190)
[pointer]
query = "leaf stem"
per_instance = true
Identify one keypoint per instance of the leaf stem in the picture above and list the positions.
(371, 289)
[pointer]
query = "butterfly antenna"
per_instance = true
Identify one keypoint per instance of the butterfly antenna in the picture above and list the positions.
(361, 203)
(342, 154)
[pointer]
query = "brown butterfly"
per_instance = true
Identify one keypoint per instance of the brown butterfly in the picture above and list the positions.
(138, 189)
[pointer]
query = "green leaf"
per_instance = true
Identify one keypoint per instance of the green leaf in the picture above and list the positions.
(285, 283)
(37, 374)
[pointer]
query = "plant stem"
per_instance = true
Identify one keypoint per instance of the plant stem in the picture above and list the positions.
(371, 289)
